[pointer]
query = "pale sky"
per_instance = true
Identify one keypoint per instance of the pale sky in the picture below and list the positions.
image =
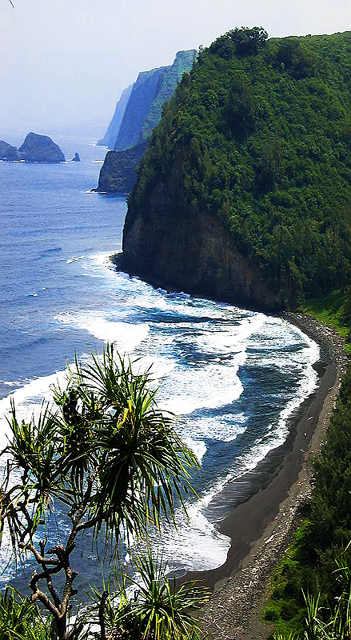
(65, 62)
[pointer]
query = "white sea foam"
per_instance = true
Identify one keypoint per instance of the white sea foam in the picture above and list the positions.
(159, 368)
(198, 388)
(276, 433)
(222, 428)
(194, 544)
(28, 400)
(101, 259)
(75, 259)
(196, 348)
(125, 336)
(197, 446)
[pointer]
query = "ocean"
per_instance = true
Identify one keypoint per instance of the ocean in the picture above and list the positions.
(232, 377)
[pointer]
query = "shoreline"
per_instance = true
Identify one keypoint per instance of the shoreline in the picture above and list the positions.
(260, 528)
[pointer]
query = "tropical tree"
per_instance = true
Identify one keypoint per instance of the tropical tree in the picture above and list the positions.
(108, 456)
(156, 611)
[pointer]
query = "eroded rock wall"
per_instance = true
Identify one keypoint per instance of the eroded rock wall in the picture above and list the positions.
(171, 246)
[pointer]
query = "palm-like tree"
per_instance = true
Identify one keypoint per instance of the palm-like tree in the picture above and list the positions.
(157, 610)
(108, 454)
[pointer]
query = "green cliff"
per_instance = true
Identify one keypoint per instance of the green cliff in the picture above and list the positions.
(245, 190)
(140, 115)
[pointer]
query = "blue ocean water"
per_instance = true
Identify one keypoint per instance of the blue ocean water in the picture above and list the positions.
(232, 377)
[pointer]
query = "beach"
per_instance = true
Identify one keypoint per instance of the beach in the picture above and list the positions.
(261, 528)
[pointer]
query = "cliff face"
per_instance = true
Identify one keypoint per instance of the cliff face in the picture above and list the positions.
(119, 171)
(168, 244)
(142, 113)
(172, 75)
(110, 137)
(149, 93)
(142, 96)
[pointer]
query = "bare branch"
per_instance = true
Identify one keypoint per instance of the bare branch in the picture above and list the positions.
(39, 558)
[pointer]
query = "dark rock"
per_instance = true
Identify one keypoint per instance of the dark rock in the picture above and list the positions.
(39, 148)
(76, 157)
(7, 151)
(167, 243)
(119, 172)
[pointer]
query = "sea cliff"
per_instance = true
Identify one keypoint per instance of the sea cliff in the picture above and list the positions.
(134, 120)
(169, 245)
(119, 171)
(111, 134)
(242, 194)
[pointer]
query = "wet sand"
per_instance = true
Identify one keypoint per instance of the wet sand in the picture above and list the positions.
(260, 528)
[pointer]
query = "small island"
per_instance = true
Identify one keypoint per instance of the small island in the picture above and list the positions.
(35, 148)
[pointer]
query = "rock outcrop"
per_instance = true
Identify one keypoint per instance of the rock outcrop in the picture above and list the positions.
(119, 171)
(141, 114)
(7, 151)
(169, 244)
(39, 148)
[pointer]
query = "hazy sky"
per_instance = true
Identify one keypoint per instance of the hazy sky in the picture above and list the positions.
(65, 62)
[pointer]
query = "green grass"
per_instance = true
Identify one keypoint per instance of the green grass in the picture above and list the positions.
(330, 310)
(285, 607)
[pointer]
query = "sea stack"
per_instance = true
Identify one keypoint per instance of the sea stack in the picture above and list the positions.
(39, 148)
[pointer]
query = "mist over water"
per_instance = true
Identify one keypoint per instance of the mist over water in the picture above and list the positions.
(232, 377)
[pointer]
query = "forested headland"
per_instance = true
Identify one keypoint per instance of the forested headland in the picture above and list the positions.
(258, 136)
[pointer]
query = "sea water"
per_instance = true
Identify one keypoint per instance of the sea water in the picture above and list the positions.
(231, 376)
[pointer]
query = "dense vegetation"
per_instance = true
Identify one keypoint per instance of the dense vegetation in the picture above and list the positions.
(259, 134)
(319, 561)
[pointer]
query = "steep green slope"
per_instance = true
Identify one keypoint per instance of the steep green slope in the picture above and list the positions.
(258, 137)
(150, 91)
(173, 74)
(318, 563)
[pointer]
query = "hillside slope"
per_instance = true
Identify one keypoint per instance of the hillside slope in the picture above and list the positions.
(245, 190)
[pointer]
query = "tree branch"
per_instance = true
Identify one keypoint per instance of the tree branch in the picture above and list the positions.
(101, 615)
(39, 558)
(48, 574)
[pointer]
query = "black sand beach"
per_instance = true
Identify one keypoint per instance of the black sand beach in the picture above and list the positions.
(260, 528)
